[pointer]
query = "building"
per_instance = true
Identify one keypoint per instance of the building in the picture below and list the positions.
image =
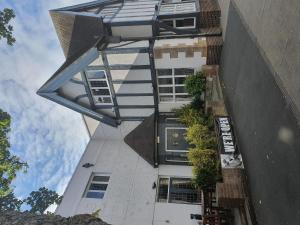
(125, 66)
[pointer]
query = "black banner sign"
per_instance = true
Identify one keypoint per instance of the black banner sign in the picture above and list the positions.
(225, 134)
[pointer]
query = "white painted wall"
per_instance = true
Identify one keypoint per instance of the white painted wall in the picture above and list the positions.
(129, 198)
(91, 124)
(132, 31)
(133, 88)
(131, 74)
(130, 59)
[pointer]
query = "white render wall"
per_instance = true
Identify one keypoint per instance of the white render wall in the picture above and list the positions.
(129, 199)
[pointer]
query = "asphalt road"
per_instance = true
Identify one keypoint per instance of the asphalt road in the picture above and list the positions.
(267, 130)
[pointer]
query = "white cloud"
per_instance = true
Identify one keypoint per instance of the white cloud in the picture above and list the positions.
(49, 137)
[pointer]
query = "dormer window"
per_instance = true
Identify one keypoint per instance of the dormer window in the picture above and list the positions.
(98, 84)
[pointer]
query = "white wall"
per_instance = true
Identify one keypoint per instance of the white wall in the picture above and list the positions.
(129, 198)
(132, 31)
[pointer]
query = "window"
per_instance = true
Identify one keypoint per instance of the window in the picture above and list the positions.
(99, 87)
(182, 23)
(97, 186)
(171, 84)
(177, 190)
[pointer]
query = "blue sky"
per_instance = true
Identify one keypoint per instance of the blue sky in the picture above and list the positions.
(49, 137)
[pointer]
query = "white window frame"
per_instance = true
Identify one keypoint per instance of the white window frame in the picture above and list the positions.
(95, 97)
(168, 193)
(166, 137)
(87, 190)
(186, 27)
(173, 85)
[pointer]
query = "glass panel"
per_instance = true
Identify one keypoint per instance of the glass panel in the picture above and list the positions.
(180, 89)
(166, 98)
(183, 98)
(179, 80)
(183, 191)
(185, 22)
(163, 189)
(104, 100)
(184, 71)
(164, 72)
(98, 187)
(165, 89)
(100, 92)
(177, 157)
(175, 139)
(169, 23)
(100, 74)
(101, 178)
(165, 81)
(98, 83)
(91, 194)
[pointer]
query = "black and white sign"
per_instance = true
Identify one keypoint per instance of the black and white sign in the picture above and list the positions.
(226, 138)
(229, 155)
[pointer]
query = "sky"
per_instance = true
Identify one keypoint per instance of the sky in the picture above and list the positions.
(49, 137)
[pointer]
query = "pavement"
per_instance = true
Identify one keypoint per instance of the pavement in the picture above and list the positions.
(267, 130)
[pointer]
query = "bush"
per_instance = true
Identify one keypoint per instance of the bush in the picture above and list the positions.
(189, 116)
(205, 167)
(195, 84)
(200, 136)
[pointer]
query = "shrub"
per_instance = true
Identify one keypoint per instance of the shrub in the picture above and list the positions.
(195, 84)
(205, 167)
(189, 116)
(200, 136)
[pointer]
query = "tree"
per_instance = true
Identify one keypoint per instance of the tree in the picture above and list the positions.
(10, 202)
(205, 167)
(9, 164)
(200, 136)
(5, 28)
(18, 218)
(195, 84)
(40, 200)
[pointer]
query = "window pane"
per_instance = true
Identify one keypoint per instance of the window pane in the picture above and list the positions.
(183, 191)
(163, 189)
(98, 83)
(179, 98)
(184, 71)
(166, 98)
(175, 139)
(96, 74)
(179, 80)
(165, 81)
(91, 194)
(185, 22)
(164, 72)
(100, 92)
(180, 89)
(169, 23)
(98, 187)
(165, 89)
(101, 178)
(104, 100)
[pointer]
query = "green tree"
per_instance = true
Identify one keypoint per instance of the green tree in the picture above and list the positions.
(205, 166)
(6, 30)
(40, 200)
(195, 84)
(10, 202)
(9, 164)
(200, 136)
